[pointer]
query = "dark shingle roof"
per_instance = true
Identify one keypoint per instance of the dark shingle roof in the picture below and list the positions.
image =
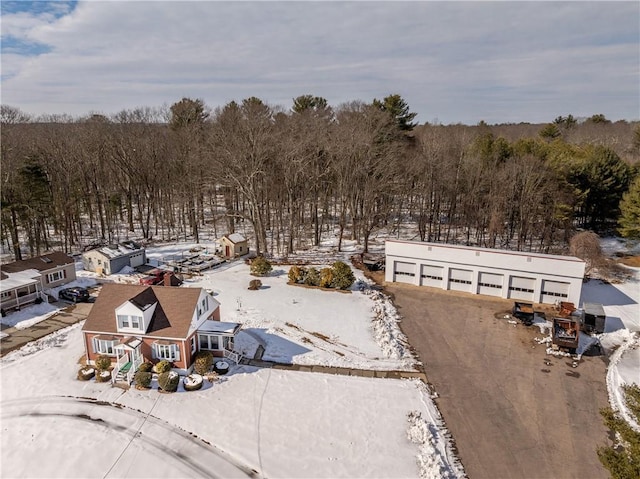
(41, 263)
(171, 318)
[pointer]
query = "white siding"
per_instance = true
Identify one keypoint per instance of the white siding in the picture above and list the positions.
(431, 275)
(460, 279)
(522, 288)
(553, 291)
(490, 284)
(404, 272)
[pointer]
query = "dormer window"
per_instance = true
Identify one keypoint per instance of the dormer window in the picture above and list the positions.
(126, 321)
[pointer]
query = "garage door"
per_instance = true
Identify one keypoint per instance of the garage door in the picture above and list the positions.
(521, 288)
(490, 284)
(136, 259)
(431, 275)
(553, 291)
(460, 279)
(404, 272)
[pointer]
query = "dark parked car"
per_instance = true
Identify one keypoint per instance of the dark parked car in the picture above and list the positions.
(76, 294)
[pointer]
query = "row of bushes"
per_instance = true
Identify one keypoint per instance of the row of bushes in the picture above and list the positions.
(339, 276)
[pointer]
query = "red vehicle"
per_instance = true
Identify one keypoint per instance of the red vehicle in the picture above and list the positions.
(155, 276)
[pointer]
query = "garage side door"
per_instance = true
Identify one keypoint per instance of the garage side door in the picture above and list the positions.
(490, 284)
(460, 279)
(521, 288)
(431, 275)
(404, 272)
(553, 291)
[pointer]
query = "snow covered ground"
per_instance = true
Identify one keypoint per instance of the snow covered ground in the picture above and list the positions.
(253, 422)
(258, 423)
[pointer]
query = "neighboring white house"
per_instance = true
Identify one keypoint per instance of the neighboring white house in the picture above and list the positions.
(533, 277)
(111, 259)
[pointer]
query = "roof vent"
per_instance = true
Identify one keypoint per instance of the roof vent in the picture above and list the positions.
(46, 259)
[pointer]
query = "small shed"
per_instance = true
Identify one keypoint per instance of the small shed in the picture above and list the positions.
(111, 259)
(233, 245)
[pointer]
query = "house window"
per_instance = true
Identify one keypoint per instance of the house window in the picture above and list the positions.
(104, 346)
(209, 342)
(168, 351)
(132, 322)
(5, 294)
(56, 276)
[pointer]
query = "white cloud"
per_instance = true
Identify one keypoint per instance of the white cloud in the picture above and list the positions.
(505, 61)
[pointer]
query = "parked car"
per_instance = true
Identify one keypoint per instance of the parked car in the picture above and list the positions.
(155, 276)
(75, 294)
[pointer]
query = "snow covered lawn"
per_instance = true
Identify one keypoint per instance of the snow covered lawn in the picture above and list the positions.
(279, 423)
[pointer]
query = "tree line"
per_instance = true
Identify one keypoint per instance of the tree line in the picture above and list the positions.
(298, 176)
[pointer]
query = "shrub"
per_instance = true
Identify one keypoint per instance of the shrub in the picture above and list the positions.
(192, 382)
(297, 274)
(260, 266)
(86, 373)
(312, 278)
(143, 379)
(163, 366)
(168, 381)
(343, 276)
(146, 367)
(103, 376)
(326, 277)
(103, 362)
(255, 284)
(203, 362)
(622, 460)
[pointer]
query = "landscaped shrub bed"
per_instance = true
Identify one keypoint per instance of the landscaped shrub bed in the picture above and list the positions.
(103, 376)
(168, 381)
(103, 362)
(339, 276)
(86, 373)
(192, 382)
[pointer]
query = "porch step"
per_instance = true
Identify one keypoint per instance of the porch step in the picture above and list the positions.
(125, 369)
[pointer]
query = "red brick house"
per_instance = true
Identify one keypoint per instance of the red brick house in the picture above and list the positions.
(137, 323)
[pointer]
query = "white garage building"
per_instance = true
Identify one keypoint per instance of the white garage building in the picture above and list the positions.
(533, 277)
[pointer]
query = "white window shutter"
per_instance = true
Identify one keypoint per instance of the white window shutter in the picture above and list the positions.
(176, 355)
(154, 353)
(95, 344)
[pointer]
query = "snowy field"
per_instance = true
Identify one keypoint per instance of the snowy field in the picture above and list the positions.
(258, 423)
(252, 423)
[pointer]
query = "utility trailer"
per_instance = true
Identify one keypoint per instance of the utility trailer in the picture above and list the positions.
(524, 312)
(593, 319)
(566, 333)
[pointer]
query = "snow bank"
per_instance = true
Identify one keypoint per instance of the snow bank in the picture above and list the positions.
(623, 369)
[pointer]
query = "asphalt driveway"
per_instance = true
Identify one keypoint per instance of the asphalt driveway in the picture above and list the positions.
(513, 411)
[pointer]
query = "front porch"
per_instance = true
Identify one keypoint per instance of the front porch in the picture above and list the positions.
(128, 360)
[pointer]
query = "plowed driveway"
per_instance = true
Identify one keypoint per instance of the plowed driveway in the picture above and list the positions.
(512, 414)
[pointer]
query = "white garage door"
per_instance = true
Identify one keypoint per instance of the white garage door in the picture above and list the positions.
(431, 275)
(521, 288)
(460, 279)
(404, 272)
(490, 284)
(136, 259)
(553, 291)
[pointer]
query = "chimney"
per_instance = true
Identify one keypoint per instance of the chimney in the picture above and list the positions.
(167, 278)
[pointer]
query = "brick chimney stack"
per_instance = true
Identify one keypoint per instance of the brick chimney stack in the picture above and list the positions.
(167, 279)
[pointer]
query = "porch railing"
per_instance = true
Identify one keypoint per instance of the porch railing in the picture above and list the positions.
(24, 300)
(233, 355)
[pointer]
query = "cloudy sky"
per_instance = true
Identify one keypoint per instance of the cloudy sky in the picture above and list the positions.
(451, 61)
